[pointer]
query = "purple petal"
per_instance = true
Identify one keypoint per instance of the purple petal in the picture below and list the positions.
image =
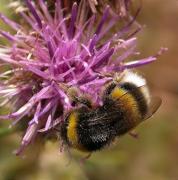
(28, 137)
(12, 24)
(72, 22)
(103, 59)
(34, 13)
(103, 20)
(134, 64)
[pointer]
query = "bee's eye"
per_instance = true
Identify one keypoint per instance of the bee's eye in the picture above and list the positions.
(81, 101)
(73, 103)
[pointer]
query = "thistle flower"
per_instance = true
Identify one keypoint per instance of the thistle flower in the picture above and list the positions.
(55, 53)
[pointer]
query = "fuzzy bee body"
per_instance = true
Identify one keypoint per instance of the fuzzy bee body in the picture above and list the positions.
(125, 105)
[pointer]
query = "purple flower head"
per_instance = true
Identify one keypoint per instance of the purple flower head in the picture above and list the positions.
(55, 53)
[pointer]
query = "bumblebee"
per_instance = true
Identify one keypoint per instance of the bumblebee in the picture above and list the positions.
(125, 104)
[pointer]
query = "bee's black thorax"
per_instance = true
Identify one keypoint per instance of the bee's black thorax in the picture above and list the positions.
(95, 130)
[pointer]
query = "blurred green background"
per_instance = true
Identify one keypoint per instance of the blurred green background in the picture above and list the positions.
(154, 155)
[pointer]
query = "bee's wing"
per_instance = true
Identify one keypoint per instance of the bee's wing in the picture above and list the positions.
(153, 107)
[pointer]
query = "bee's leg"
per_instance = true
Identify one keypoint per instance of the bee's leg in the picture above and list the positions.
(61, 146)
(83, 160)
(56, 129)
(70, 157)
(133, 134)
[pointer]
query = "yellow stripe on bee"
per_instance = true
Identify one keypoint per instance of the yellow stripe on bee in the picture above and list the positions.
(72, 134)
(117, 93)
(72, 129)
(128, 102)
